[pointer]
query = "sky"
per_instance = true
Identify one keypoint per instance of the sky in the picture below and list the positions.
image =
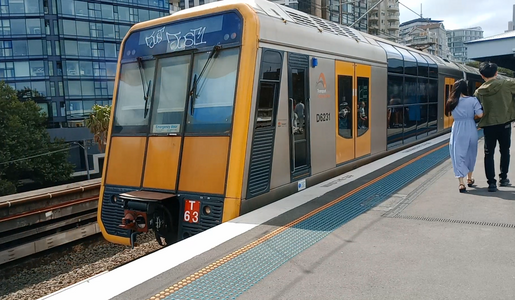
(493, 18)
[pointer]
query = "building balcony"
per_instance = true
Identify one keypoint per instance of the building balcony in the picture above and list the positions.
(393, 7)
(392, 17)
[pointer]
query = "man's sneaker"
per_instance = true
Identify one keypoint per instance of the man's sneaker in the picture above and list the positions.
(492, 188)
(504, 182)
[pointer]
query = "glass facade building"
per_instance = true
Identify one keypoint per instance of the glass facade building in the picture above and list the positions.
(67, 51)
(456, 39)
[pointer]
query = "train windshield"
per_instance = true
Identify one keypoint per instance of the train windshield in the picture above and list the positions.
(187, 86)
(131, 94)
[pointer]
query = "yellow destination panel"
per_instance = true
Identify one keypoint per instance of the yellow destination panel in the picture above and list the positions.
(204, 164)
(125, 164)
(162, 162)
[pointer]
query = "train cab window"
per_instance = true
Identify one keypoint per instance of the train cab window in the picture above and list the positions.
(130, 116)
(363, 111)
(268, 92)
(211, 106)
(170, 94)
(345, 106)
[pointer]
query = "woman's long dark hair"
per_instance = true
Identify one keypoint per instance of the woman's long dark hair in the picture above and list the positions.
(459, 87)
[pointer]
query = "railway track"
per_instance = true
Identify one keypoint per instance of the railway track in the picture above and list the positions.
(40, 220)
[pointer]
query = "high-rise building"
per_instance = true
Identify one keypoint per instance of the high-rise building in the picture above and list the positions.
(456, 38)
(383, 19)
(426, 35)
(340, 11)
(512, 22)
(67, 51)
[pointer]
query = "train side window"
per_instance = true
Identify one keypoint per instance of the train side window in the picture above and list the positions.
(433, 91)
(363, 105)
(345, 106)
(423, 86)
(268, 91)
(433, 67)
(395, 59)
(266, 97)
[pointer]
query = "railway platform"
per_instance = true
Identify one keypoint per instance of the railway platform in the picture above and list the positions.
(394, 229)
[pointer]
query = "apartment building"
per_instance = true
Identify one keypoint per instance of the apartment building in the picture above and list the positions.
(426, 35)
(383, 19)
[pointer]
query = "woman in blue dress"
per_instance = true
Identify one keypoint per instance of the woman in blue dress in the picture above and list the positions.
(463, 143)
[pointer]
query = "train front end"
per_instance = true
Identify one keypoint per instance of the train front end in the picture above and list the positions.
(181, 106)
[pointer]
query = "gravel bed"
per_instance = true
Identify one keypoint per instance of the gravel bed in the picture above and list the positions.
(50, 275)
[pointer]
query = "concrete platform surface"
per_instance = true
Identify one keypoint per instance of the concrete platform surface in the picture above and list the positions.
(428, 241)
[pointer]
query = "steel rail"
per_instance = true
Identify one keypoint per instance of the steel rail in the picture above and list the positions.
(49, 208)
(48, 195)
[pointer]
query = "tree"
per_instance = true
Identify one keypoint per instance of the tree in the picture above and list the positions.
(26, 150)
(504, 71)
(98, 124)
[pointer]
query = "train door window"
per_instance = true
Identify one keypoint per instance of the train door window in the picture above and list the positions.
(170, 94)
(363, 111)
(447, 92)
(299, 116)
(345, 106)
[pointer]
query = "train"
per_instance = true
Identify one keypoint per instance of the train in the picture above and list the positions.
(226, 107)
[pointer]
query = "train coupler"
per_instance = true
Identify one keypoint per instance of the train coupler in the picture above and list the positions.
(148, 210)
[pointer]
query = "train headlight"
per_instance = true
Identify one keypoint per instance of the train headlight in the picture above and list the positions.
(207, 210)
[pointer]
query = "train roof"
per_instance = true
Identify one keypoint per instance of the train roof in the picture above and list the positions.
(363, 41)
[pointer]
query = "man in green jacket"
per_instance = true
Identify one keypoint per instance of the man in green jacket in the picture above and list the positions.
(496, 96)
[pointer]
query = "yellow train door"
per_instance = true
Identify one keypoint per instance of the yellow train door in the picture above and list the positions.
(353, 108)
(449, 82)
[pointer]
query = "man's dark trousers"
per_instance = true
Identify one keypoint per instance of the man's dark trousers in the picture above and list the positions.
(501, 133)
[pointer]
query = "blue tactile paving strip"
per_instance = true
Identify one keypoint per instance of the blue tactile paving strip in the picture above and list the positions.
(239, 274)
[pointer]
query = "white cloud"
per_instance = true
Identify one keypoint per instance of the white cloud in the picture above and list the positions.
(493, 18)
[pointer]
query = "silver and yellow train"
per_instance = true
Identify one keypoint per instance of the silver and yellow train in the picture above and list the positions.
(226, 107)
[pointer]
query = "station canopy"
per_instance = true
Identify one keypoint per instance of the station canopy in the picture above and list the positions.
(499, 49)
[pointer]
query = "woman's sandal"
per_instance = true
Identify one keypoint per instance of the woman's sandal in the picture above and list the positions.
(463, 189)
(470, 182)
